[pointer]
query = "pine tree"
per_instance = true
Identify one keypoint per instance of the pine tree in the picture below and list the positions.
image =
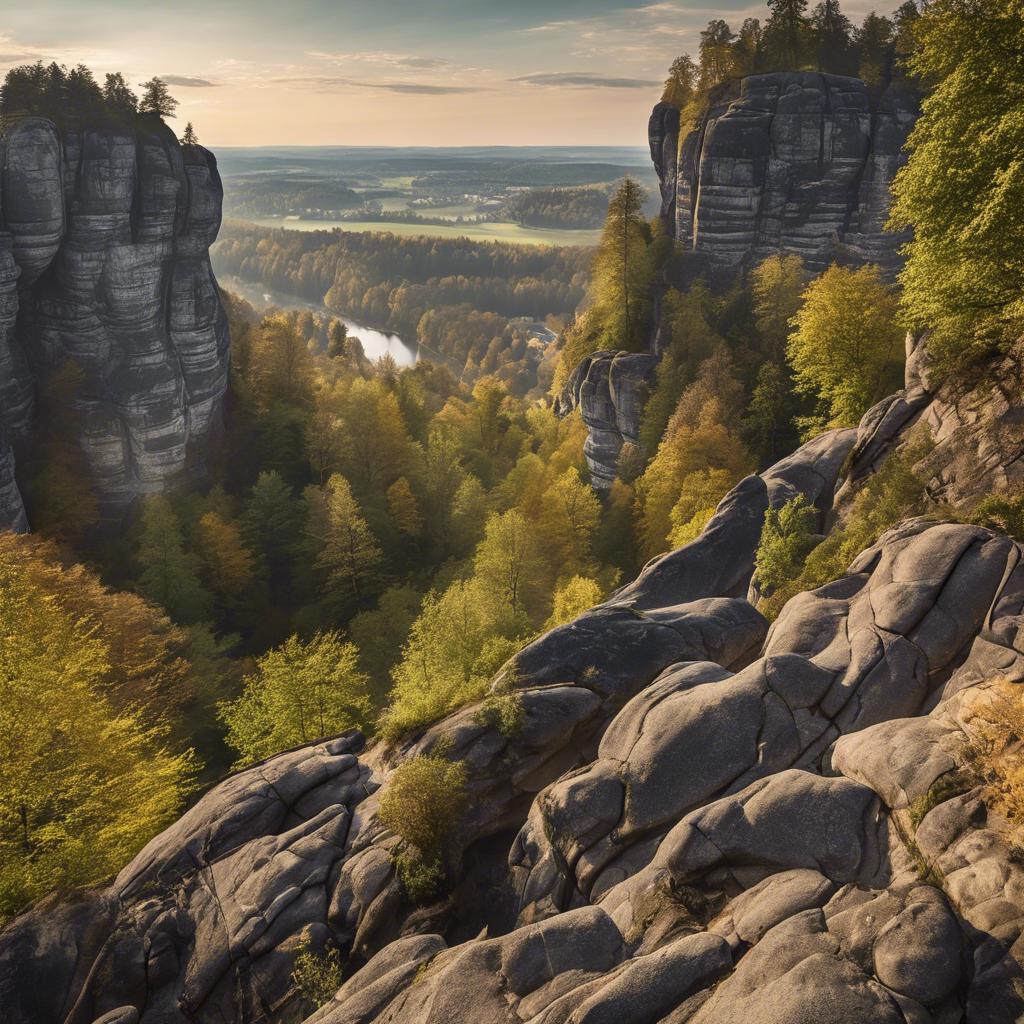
(156, 99)
(832, 34)
(716, 54)
(875, 41)
(403, 508)
(623, 271)
(169, 574)
(118, 97)
(337, 342)
(784, 34)
(271, 526)
(347, 548)
(681, 84)
(189, 137)
(227, 561)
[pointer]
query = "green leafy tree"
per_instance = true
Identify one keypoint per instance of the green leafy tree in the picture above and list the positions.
(508, 562)
(168, 573)
(227, 562)
(716, 54)
(157, 99)
(83, 786)
(846, 348)
(449, 657)
(575, 596)
(300, 692)
(964, 276)
(788, 536)
(777, 285)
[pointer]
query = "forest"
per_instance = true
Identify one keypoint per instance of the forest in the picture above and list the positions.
(454, 296)
(375, 542)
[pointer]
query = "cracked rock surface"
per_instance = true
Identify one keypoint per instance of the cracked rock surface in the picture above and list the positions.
(104, 239)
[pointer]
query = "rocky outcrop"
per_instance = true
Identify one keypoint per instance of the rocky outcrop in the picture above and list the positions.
(792, 162)
(104, 238)
(610, 389)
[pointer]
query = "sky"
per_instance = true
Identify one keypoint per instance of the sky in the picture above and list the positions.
(386, 72)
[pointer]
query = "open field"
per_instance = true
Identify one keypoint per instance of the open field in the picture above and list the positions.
(488, 232)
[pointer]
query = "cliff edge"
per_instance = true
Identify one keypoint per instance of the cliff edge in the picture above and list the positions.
(794, 162)
(104, 240)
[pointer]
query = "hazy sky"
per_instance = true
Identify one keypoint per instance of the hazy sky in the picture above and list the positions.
(386, 72)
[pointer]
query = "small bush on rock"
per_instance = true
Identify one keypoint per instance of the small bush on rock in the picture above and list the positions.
(894, 493)
(423, 804)
(789, 535)
(996, 753)
(1003, 513)
(317, 976)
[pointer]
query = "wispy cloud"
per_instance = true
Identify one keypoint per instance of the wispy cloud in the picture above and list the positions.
(585, 80)
(189, 81)
(332, 83)
(397, 60)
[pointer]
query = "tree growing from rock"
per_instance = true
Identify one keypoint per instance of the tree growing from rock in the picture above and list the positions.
(157, 99)
(623, 270)
(189, 137)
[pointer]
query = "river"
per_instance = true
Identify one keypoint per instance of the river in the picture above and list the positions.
(375, 343)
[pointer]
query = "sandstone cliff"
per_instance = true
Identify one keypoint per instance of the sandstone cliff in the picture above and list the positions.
(784, 162)
(779, 163)
(104, 238)
(698, 818)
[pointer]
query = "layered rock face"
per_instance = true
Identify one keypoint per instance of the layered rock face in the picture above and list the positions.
(697, 819)
(104, 239)
(790, 162)
(610, 389)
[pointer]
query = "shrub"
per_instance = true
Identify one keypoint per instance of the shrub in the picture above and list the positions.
(317, 976)
(787, 538)
(891, 495)
(1002, 513)
(995, 754)
(423, 804)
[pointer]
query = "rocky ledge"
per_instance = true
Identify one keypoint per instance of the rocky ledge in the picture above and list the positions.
(104, 239)
(697, 818)
(793, 162)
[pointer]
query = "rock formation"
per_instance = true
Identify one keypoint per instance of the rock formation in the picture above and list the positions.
(610, 389)
(697, 818)
(104, 238)
(793, 162)
(778, 163)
